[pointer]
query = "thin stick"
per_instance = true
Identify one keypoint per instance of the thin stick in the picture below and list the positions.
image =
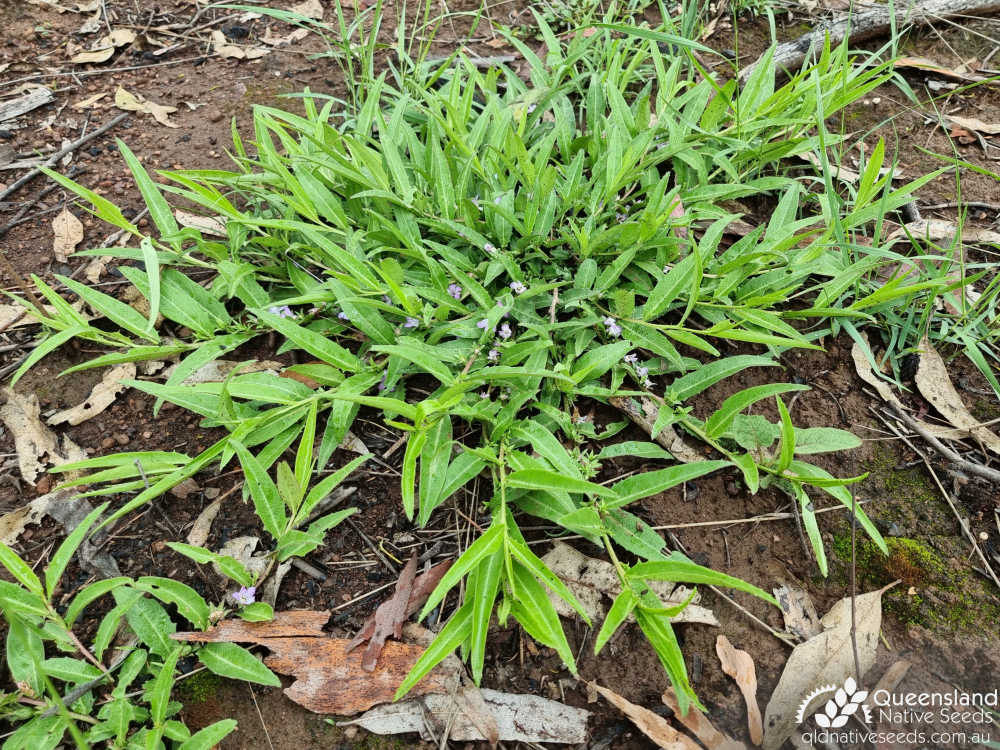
(54, 159)
(261, 717)
(962, 463)
(358, 598)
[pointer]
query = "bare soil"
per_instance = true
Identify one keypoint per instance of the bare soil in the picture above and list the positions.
(943, 617)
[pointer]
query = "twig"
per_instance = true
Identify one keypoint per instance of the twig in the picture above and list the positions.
(20, 215)
(54, 159)
(103, 71)
(962, 463)
(308, 569)
(358, 598)
(372, 546)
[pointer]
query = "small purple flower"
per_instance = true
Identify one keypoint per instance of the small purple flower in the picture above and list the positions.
(582, 420)
(411, 323)
(647, 383)
(483, 323)
(490, 248)
(504, 332)
(282, 311)
(385, 298)
(455, 291)
(246, 595)
(666, 269)
(343, 316)
(613, 328)
(484, 394)
(632, 358)
(493, 355)
(621, 217)
(642, 372)
(517, 287)
(384, 382)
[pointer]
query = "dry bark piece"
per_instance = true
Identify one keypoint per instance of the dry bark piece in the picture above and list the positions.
(389, 617)
(868, 22)
(591, 580)
(650, 724)
(934, 384)
(801, 618)
(972, 123)
(739, 665)
(67, 233)
(309, 9)
(35, 97)
(101, 396)
(941, 230)
(329, 679)
(825, 659)
(698, 724)
(519, 718)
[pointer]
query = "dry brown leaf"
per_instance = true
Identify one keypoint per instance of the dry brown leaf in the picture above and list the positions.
(931, 66)
(518, 718)
(972, 123)
(329, 679)
(279, 41)
(68, 233)
(117, 38)
(214, 225)
(739, 665)
(242, 548)
(185, 489)
(96, 267)
(591, 580)
(309, 9)
(93, 56)
(389, 617)
(132, 103)
(422, 587)
(698, 724)
(222, 47)
(801, 618)
(90, 101)
(650, 724)
(36, 444)
(825, 659)
(934, 384)
(101, 396)
(940, 230)
(202, 525)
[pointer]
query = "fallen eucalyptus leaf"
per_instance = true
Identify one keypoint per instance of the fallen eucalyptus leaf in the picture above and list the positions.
(825, 659)
(309, 9)
(698, 724)
(739, 665)
(132, 103)
(650, 724)
(202, 526)
(93, 56)
(935, 385)
(33, 441)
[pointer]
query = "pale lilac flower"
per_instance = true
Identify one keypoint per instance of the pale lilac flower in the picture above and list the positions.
(517, 287)
(411, 323)
(282, 311)
(642, 372)
(484, 394)
(666, 269)
(632, 358)
(246, 595)
(385, 298)
(621, 217)
(504, 332)
(498, 200)
(493, 355)
(455, 291)
(490, 247)
(613, 328)
(343, 316)
(385, 380)
(582, 419)
(483, 323)
(647, 383)
(475, 202)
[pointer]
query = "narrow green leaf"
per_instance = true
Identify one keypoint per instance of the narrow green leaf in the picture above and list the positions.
(62, 556)
(539, 479)
(21, 571)
(649, 483)
(622, 607)
(266, 499)
(719, 422)
(230, 660)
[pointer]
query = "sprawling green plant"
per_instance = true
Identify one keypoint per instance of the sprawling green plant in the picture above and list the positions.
(464, 247)
(58, 694)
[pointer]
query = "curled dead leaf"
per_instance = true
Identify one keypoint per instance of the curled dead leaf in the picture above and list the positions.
(739, 665)
(133, 103)
(650, 724)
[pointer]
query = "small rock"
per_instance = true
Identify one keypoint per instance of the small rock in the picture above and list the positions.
(44, 484)
(215, 115)
(108, 442)
(121, 438)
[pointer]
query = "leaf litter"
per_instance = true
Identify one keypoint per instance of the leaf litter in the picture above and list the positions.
(101, 396)
(649, 723)
(591, 580)
(825, 659)
(36, 445)
(389, 617)
(739, 665)
(699, 725)
(67, 233)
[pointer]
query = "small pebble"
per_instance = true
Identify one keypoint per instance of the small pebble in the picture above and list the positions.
(122, 439)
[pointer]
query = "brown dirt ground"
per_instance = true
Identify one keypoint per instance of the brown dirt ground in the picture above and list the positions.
(946, 628)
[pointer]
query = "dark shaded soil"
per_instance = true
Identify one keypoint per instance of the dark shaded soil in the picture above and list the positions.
(943, 618)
